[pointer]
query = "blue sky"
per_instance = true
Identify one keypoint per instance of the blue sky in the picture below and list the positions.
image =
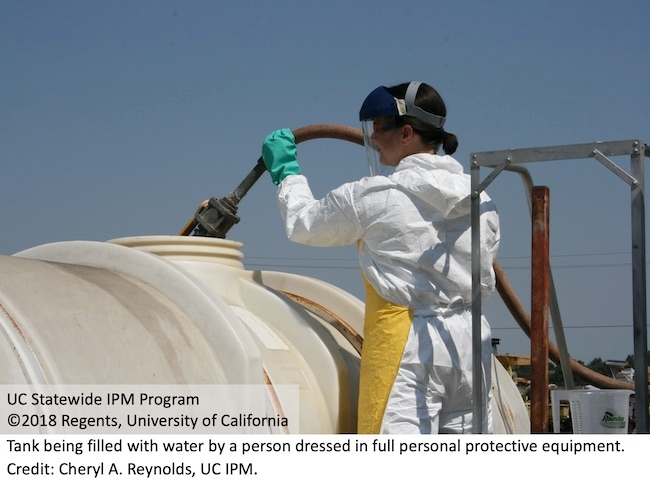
(119, 117)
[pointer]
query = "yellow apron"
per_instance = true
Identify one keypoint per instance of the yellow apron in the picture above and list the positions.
(386, 329)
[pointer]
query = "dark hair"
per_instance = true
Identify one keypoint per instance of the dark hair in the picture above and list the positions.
(428, 99)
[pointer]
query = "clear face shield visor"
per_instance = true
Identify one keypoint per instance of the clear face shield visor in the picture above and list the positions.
(378, 114)
(372, 129)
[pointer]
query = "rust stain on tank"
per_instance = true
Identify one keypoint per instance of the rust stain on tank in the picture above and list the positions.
(341, 325)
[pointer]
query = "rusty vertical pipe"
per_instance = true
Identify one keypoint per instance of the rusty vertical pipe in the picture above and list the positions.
(540, 284)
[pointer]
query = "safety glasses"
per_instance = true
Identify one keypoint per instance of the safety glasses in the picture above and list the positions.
(383, 124)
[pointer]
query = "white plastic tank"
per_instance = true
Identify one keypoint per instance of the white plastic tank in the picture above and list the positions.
(184, 310)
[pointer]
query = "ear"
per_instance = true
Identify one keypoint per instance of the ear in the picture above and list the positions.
(407, 134)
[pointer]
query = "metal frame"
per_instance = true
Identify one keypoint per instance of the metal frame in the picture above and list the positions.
(601, 151)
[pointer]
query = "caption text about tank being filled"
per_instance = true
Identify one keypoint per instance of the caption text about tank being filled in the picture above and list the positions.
(208, 456)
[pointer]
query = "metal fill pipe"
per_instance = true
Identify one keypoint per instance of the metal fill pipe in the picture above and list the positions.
(540, 285)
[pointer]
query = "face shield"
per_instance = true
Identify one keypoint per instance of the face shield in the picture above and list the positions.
(379, 113)
(372, 128)
(376, 114)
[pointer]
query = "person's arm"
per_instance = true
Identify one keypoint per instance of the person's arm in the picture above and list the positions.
(331, 221)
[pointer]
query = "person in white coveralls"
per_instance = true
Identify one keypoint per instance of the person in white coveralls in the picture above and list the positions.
(412, 227)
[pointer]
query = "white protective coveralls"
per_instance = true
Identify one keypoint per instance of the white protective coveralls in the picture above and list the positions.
(413, 232)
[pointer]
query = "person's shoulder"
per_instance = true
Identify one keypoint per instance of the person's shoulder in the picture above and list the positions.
(364, 188)
(431, 162)
(372, 183)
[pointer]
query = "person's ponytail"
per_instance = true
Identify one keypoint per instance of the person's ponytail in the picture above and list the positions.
(428, 99)
(449, 142)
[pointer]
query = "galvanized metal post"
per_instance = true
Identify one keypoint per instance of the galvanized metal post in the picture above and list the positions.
(639, 307)
(477, 368)
(540, 284)
(479, 378)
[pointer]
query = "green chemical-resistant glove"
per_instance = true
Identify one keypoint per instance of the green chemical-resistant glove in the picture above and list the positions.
(279, 154)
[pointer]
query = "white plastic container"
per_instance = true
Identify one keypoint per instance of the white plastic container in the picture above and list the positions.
(600, 411)
(170, 310)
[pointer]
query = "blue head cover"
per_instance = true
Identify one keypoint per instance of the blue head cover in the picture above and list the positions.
(379, 103)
